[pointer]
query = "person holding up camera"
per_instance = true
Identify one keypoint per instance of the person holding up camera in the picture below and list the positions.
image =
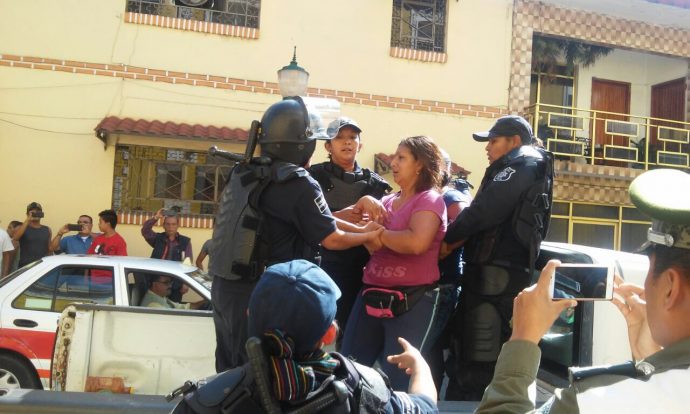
(33, 237)
(76, 244)
(168, 245)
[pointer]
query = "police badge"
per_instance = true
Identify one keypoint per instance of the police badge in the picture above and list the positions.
(504, 175)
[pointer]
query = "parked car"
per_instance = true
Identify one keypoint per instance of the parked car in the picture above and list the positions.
(32, 298)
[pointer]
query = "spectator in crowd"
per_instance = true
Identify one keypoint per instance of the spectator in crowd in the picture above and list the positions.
(292, 309)
(110, 242)
(656, 315)
(167, 245)
(343, 183)
(6, 249)
(76, 244)
(400, 292)
(205, 251)
(14, 255)
(33, 237)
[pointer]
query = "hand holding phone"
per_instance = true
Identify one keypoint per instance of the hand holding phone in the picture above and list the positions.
(582, 282)
(74, 227)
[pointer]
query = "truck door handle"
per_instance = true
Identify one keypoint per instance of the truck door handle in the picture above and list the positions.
(25, 323)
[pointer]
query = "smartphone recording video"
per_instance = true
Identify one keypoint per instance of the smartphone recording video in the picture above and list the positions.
(582, 282)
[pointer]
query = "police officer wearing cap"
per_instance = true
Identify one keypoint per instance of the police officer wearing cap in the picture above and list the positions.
(295, 220)
(501, 230)
(343, 183)
(657, 379)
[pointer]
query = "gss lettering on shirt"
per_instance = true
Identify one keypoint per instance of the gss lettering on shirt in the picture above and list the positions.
(386, 272)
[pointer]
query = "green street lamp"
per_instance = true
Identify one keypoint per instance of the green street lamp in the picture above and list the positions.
(292, 79)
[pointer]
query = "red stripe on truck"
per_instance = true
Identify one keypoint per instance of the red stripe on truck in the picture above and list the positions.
(31, 344)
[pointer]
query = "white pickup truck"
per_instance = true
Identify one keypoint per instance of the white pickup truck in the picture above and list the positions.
(148, 351)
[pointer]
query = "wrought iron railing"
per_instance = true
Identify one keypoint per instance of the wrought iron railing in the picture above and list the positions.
(608, 138)
(231, 12)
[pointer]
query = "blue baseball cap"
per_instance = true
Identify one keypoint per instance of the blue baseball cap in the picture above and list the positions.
(297, 297)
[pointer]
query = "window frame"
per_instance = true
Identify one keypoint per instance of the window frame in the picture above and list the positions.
(398, 23)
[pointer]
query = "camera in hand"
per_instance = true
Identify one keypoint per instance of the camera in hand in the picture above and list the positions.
(37, 214)
(582, 282)
(74, 227)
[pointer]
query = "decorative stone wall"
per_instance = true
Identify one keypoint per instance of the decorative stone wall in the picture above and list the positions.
(530, 16)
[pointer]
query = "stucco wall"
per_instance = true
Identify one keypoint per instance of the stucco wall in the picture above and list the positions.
(641, 70)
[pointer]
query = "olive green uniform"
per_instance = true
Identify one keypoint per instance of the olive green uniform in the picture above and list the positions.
(517, 368)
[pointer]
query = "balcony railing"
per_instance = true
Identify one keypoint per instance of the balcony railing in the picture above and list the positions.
(608, 138)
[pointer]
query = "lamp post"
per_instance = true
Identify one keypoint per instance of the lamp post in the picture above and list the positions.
(292, 79)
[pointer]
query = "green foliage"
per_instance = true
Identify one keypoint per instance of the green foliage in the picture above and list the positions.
(548, 53)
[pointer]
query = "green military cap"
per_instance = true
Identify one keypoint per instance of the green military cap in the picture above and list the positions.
(664, 195)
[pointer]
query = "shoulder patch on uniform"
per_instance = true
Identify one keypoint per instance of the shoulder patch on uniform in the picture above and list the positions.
(505, 174)
(320, 202)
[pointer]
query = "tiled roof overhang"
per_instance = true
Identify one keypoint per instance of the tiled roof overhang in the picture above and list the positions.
(129, 126)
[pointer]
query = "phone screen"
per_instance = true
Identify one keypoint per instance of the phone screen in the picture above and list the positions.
(589, 282)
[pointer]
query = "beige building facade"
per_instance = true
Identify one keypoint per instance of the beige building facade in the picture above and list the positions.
(114, 103)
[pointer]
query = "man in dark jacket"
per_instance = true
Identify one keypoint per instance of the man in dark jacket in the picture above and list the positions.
(168, 245)
(501, 231)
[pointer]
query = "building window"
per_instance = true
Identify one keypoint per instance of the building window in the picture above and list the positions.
(243, 13)
(149, 178)
(419, 24)
(605, 226)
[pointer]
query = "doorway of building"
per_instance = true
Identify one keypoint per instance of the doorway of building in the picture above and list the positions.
(668, 102)
(609, 96)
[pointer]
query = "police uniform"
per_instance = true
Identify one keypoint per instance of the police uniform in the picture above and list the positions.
(658, 383)
(502, 243)
(342, 189)
(297, 219)
(294, 219)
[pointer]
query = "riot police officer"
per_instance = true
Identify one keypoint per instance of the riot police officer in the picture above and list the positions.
(290, 220)
(502, 230)
(656, 314)
(343, 183)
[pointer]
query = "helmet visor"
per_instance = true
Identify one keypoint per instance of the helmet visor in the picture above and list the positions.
(322, 111)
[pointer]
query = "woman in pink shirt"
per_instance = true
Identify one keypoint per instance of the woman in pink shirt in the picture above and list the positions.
(400, 294)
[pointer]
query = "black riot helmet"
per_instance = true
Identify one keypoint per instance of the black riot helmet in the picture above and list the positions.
(289, 131)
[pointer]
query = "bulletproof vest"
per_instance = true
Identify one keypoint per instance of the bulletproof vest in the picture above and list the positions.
(239, 252)
(532, 216)
(343, 188)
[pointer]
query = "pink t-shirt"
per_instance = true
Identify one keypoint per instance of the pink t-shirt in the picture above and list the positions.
(387, 268)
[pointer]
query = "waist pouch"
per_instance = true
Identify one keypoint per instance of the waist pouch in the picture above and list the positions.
(393, 301)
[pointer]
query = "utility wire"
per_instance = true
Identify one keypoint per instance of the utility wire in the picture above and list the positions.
(46, 130)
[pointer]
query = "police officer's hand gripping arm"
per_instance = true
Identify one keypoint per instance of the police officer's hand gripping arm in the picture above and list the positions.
(352, 236)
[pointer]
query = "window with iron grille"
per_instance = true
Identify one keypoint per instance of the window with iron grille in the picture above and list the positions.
(149, 178)
(232, 12)
(419, 24)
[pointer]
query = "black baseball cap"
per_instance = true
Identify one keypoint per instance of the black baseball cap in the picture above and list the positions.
(340, 123)
(33, 206)
(507, 126)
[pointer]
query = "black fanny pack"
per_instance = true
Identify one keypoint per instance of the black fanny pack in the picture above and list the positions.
(393, 301)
